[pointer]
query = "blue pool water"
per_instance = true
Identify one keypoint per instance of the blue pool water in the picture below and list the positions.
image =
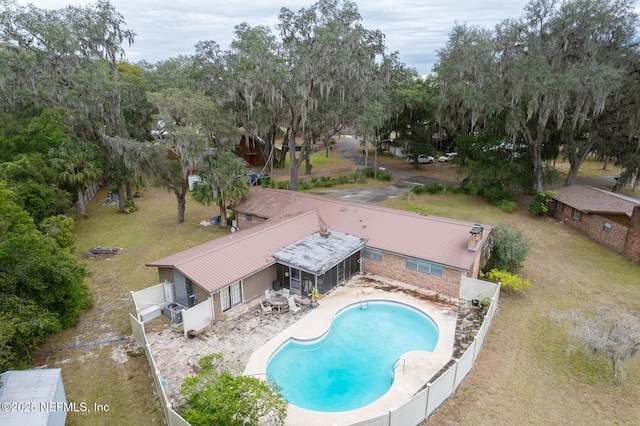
(350, 366)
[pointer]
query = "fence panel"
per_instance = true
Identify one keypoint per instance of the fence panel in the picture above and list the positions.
(137, 331)
(440, 390)
(382, 420)
(465, 364)
(411, 412)
(197, 317)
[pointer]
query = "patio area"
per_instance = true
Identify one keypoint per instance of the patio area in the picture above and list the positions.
(246, 338)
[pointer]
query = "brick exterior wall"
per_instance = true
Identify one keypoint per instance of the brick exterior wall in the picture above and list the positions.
(393, 267)
(593, 226)
(632, 245)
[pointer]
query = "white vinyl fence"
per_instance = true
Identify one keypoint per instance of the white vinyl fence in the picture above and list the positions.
(138, 333)
(425, 402)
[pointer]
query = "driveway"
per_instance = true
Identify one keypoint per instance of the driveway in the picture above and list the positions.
(350, 148)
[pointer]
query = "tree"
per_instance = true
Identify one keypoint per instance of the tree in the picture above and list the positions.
(509, 249)
(42, 284)
(67, 58)
(219, 397)
(222, 182)
(76, 166)
(192, 127)
(323, 50)
(559, 65)
(612, 333)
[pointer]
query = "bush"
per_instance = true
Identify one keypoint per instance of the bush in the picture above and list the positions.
(510, 248)
(497, 195)
(130, 206)
(360, 177)
(384, 176)
(434, 188)
(508, 206)
(539, 205)
(506, 280)
(418, 189)
(470, 188)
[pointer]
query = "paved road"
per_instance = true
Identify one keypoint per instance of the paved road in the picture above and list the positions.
(349, 147)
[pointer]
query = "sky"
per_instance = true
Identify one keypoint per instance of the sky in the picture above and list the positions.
(415, 29)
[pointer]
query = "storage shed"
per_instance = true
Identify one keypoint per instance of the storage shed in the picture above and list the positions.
(33, 397)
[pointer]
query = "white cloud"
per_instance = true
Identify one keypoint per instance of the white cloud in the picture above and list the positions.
(414, 28)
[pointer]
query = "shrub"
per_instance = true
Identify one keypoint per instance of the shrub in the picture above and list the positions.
(539, 205)
(506, 280)
(359, 176)
(508, 206)
(470, 188)
(130, 206)
(497, 195)
(510, 248)
(434, 188)
(418, 189)
(384, 176)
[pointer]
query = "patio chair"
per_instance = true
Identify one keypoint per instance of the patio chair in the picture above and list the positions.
(286, 293)
(266, 310)
(293, 306)
(267, 294)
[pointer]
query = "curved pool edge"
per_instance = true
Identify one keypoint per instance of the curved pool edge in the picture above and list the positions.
(419, 366)
(353, 305)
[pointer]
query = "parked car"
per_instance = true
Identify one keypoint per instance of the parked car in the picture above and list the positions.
(447, 157)
(256, 179)
(422, 159)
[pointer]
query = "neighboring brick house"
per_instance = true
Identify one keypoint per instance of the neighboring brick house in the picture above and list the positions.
(611, 219)
(249, 150)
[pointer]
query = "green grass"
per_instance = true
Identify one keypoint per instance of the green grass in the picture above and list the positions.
(92, 374)
(523, 374)
(524, 371)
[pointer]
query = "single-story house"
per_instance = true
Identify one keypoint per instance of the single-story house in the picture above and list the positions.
(611, 219)
(34, 397)
(299, 241)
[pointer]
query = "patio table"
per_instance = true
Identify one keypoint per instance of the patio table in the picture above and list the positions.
(278, 302)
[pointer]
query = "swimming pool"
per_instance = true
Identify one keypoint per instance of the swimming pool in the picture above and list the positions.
(350, 366)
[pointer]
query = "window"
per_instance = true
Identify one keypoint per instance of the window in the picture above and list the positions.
(423, 266)
(373, 254)
(606, 227)
(576, 214)
(248, 217)
(559, 206)
(485, 249)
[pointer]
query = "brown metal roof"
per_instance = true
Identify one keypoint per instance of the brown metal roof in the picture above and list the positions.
(431, 238)
(220, 262)
(594, 200)
(294, 216)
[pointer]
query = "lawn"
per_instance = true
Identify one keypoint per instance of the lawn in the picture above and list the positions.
(523, 374)
(103, 373)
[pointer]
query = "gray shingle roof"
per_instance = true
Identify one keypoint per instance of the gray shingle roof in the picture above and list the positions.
(594, 200)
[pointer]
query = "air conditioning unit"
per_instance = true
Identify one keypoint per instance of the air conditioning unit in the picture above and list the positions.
(173, 311)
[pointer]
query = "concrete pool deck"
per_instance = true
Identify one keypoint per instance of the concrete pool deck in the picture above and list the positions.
(418, 367)
(246, 338)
